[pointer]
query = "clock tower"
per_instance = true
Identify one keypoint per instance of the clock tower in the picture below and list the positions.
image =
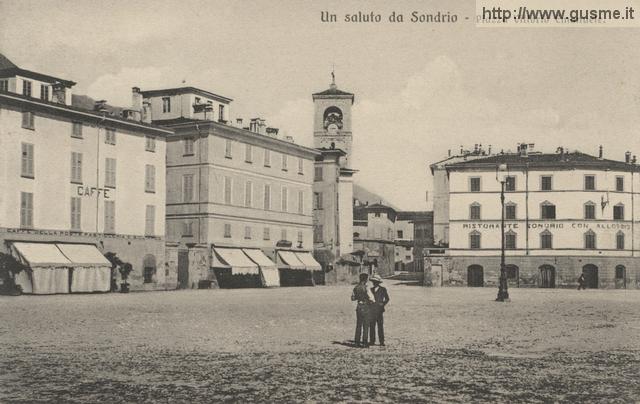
(332, 120)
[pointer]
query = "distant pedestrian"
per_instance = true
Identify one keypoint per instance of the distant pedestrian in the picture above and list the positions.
(381, 298)
(362, 295)
(581, 282)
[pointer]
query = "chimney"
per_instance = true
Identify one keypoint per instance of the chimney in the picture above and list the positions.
(627, 157)
(289, 139)
(59, 93)
(600, 151)
(489, 151)
(449, 153)
(253, 126)
(272, 132)
(100, 106)
(531, 146)
(461, 149)
(522, 148)
(261, 126)
(239, 122)
(146, 111)
(633, 160)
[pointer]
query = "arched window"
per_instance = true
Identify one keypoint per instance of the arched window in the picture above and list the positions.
(474, 211)
(546, 240)
(547, 210)
(620, 240)
(618, 212)
(510, 240)
(332, 116)
(510, 211)
(149, 268)
(589, 210)
(590, 240)
(474, 240)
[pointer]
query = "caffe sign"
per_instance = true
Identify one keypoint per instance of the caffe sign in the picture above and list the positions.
(91, 191)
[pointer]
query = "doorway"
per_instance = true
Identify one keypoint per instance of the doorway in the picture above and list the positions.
(547, 276)
(590, 273)
(436, 275)
(183, 269)
(475, 276)
(621, 277)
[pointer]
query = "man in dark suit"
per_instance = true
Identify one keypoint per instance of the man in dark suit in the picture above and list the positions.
(381, 298)
(364, 298)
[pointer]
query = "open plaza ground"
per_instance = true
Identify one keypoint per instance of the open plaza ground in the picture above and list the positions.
(291, 344)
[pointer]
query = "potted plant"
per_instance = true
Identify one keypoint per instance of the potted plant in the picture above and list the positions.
(125, 269)
(9, 268)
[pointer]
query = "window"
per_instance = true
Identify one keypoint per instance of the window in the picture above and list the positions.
(266, 233)
(76, 168)
(618, 212)
(228, 149)
(547, 210)
(545, 183)
(590, 240)
(300, 239)
(284, 162)
(317, 233)
(26, 169)
(248, 194)
(474, 211)
(150, 144)
(221, 113)
(510, 240)
(510, 183)
(267, 158)
(300, 202)
(147, 274)
(227, 190)
(620, 272)
(150, 178)
(27, 120)
(510, 211)
(26, 88)
(4, 85)
(227, 230)
(197, 100)
(188, 146)
(589, 210)
(300, 166)
(110, 136)
(620, 240)
(187, 188)
(590, 182)
(166, 104)
(187, 228)
(267, 197)
(150, 220)
(407, 257)
(285, 199)
(76, 129)
(474, 184)
(317, 176)
(44, 92)
(26, 210)
(546, 240)
(620, 184)
(283, 234)
(474, 240)
(400, 234)
(317, 200)
(247, 232)
(76, 209)
(512, 272)
(248, 155)
(109, 217)
(408, 248)
(110, 172)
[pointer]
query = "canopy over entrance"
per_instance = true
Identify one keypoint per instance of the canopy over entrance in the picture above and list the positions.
(269, 270)
(289, 258)
(309, 262)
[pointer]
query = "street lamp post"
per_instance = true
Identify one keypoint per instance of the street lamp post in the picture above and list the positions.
(503, 292)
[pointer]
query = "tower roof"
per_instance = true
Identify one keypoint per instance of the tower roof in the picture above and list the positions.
(333, 91)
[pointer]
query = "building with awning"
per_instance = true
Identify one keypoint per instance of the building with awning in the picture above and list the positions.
(234, 269)
(289, 260)
(308, 261)
(268, 270)
(61, 268)
(293, 271)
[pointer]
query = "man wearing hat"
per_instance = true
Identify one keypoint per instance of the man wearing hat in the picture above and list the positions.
(381, 298)
(363, 296)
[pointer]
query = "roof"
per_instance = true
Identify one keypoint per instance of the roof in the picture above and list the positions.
(185, 90)
(544, 161)
(414, 215)
(361, 213)
(9, 69)
(5, 63)
(333, 92)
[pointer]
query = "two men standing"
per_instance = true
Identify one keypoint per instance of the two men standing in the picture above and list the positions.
(369, 310)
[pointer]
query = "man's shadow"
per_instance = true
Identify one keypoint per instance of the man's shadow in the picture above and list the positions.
(350, 343)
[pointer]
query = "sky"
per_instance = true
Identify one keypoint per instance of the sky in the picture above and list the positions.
(420, 89)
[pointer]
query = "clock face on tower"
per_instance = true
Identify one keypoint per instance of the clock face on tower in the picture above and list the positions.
(332, 120)
(332, 129)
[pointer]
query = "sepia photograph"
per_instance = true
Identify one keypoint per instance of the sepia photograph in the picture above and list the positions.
(295, 201)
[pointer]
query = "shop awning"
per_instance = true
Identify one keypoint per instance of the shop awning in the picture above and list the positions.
(309, 262)
(259, 258)
(289, 258)
(237, 260)
(85, 255)
(41, 255)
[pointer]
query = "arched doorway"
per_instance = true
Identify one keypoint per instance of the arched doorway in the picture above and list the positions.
(621, 277)
(475, 276)
(148, 268)
(513, 275)
(547, 276)
(590, 273)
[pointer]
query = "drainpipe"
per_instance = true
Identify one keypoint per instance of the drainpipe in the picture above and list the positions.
(526, 204)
